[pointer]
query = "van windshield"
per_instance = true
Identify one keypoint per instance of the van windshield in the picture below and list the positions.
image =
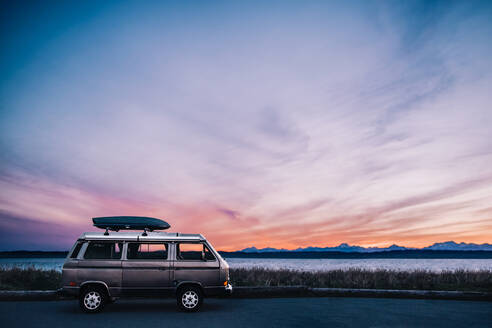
(76, 250)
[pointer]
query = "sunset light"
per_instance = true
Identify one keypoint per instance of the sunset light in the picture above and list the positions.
(266, 124)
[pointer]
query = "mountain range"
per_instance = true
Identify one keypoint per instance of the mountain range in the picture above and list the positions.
(445, 246)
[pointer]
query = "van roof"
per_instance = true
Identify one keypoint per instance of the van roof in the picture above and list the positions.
(138, 236)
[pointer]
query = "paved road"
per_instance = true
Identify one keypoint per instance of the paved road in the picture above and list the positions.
(236, 313)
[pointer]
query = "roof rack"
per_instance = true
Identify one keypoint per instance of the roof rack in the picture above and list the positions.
(117, 223)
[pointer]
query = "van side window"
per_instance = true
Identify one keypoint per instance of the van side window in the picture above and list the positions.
(147, 251)
(76, 250)
(193, 252)
(103, 251)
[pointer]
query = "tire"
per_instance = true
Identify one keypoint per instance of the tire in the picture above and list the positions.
(93, 299)
(189, 298)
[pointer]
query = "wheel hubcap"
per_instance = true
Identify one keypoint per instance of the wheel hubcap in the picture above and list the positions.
(189, 299)
(92, 300)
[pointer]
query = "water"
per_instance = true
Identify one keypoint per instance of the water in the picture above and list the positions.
(301, 264)
(370, 264)
(38, 263)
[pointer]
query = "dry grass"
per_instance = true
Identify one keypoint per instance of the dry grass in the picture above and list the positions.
(29, 279)
(35, 279)
(359, 278)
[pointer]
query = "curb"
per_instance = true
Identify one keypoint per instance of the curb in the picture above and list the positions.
(287, 291)
(303, 291)
(416, 294)
(30, 295)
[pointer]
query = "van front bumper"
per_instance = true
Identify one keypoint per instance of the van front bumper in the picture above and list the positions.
(218, 291)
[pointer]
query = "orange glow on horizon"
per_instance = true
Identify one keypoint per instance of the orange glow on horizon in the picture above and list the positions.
(230, 231)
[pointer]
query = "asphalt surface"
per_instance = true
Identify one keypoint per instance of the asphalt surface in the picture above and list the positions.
(273, 312)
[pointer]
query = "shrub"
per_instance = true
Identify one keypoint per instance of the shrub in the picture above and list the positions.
(29, 279)
(361, 278)
(37, 279)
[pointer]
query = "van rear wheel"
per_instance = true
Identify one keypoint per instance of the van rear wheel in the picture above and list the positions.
(189, 298)
(93, 299)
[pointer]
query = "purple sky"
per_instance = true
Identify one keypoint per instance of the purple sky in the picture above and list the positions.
(282, 124)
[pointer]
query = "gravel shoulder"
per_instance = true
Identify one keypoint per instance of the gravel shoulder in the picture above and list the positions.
(287, 291)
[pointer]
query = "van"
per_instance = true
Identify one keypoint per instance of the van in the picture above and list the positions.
(102, 267)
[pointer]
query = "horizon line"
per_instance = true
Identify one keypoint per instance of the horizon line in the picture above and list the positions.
(298, 248)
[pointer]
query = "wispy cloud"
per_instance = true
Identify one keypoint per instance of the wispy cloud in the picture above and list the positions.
(275, 124)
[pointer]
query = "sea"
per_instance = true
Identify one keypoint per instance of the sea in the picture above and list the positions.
(436, 265)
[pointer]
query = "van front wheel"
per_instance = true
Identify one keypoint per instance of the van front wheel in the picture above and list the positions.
(92, 299)
(189, 298)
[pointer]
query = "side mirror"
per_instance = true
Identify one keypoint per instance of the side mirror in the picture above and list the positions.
(203, 256)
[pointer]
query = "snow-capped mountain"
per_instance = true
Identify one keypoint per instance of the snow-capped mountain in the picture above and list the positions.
(452, 246)
(344, 247)
(262, 250)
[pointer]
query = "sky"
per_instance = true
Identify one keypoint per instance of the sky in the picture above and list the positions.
(256, 123)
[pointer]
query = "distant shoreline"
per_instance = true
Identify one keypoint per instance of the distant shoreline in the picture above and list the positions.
(32, 254)
(397, 254)
(400, 254)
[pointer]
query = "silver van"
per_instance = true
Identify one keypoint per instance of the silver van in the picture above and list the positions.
(101, 267)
